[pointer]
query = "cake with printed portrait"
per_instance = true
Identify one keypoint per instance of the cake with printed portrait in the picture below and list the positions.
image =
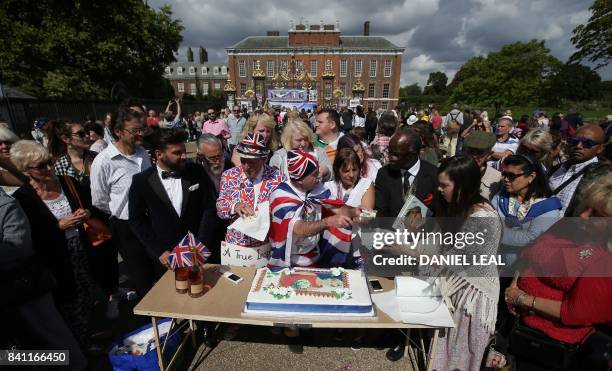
(310, 291)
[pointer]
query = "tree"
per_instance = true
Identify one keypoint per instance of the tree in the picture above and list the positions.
(518, 74)
(408, 90)
(436, 84)
(594, 40)
(576, 83)
(84, 48)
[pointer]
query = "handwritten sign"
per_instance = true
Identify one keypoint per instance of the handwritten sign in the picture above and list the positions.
(240, 256)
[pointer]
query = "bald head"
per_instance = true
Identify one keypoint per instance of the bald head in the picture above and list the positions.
(586, 143)
(404, 148)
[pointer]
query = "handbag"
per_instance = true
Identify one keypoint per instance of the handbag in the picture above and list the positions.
(96, 230)
(535, 346)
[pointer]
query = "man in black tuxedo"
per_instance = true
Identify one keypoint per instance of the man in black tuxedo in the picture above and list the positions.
(170, 199)
(405, 174)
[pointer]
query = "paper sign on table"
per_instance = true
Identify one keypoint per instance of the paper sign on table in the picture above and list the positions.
(240, 256)
(256, 227)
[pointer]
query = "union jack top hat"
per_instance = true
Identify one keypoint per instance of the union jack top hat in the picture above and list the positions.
(253, 146)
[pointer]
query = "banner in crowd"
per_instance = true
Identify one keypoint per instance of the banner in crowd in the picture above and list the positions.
(240, 256)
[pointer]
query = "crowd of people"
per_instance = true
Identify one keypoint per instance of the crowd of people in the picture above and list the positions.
(75, 196)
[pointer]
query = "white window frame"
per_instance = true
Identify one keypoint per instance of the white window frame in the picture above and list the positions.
(224, 70)
(180, 87)
(242, 68)
(168, 70)
(204, 88)
(179, 71)
(372, 90)
(192, 70)
(216, 71)
(217, 86)
(243, 88)
(343, 88)
(329, 90)
(193, 89)
(343, 67)
(204, 70)
(314, 66)
(284, 66)
(270, 68)
(388, 68)
(386, 90)
(373, 68)
(358, 67)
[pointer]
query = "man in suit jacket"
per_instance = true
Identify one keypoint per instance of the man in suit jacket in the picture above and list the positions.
(170, 199)
(405, 174)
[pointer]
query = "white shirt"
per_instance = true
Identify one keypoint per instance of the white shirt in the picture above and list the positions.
(563, 174)
(111, 178)
(174, 190)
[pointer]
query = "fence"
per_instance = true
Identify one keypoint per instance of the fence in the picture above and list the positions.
(20, 113)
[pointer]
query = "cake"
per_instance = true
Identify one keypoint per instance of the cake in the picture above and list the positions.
(310, 291)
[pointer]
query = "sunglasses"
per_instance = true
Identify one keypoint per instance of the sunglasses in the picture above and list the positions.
(586, 143)
(80, 134)
(41, 165)
(511, 176)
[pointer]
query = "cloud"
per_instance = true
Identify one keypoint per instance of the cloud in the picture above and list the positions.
(439, 35)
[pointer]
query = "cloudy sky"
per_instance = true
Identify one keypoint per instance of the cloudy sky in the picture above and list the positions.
(439, 35)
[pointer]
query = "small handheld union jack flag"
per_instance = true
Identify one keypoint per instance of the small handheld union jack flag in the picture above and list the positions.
(202, 253)
(181, 256)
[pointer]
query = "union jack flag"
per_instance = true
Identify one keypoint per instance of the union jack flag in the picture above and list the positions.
(181, 255)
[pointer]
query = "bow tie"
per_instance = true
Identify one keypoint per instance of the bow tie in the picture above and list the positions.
(170, 174)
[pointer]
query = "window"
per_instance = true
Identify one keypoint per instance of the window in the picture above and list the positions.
(204, 88)
(217, 86)
(358, 65)
(192, 70)
(371, 105)
(192, 89)
(328, 90)
(167, 70)
(180, 87)
(242, 69)
(284, 66)
(242, 88)
(204, 70)
(299, 65)
(253, 65)
(385, 93)
(215, 70)
(343, 64)
(388, 65)
(313, 68)
(385, 105)
(373, 68)
(224, 70)
(343, 88)
(179, 71)
(371, 90)
(328, 65)
(270, 68)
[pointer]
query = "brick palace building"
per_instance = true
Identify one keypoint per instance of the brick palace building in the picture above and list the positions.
(330, 67)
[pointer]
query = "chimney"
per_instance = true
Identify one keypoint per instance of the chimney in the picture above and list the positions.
(273, 33)
(366, 28)
(203, 55)
(189, 55)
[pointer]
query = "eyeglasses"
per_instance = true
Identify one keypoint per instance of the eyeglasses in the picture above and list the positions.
(511, 176)
(80, 134)
(135, 131)
(586, 143)
(217, 158)
(41, 165)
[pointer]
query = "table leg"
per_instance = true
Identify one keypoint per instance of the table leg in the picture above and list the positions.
(192, 333)
(160, 359)
(432, 349)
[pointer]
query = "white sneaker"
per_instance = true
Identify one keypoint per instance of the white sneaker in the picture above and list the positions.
(112, 307)
(126, 294)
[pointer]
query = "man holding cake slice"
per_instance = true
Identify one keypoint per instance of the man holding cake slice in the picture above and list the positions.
(309, 229)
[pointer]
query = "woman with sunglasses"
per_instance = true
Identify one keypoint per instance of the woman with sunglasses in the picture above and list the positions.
(57, 221)
(69, 147)
(524, 203)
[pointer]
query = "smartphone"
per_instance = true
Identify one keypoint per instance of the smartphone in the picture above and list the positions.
(376, 286)
(232, 277)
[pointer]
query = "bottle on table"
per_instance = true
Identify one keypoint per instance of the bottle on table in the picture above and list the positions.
(196, 278)
(181, 280)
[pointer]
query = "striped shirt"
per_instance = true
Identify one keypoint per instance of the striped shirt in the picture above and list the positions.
(111, 178)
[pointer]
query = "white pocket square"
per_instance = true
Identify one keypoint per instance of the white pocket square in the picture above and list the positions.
(194, 187)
